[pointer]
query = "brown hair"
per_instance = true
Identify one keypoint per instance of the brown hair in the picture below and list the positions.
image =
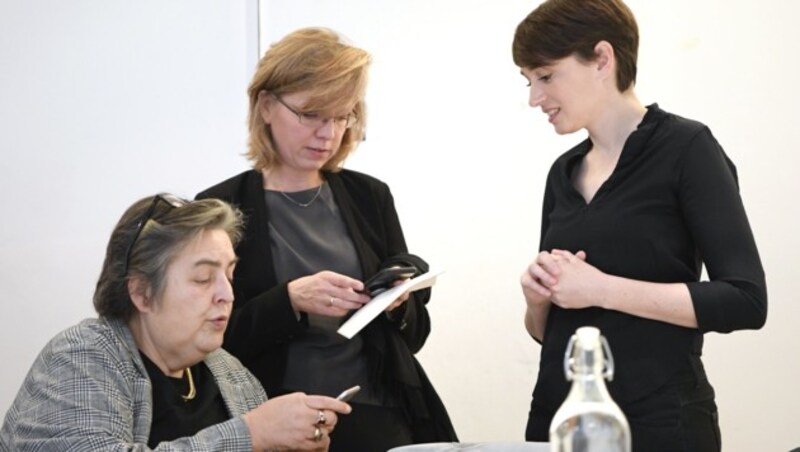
(318, 61)
(162, 236)
(561, 28)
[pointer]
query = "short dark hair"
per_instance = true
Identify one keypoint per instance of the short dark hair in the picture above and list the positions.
(160, 239)
(557, 29)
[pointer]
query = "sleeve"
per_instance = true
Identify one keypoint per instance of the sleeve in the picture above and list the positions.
(548, 203)
(262, 313)
(79, 397)
(736, 295)
(267, 318)
(413, 322)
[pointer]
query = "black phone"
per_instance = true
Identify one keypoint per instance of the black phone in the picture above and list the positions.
(383, 280)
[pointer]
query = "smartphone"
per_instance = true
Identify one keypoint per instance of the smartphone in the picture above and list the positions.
(383, 280)
(348, 394)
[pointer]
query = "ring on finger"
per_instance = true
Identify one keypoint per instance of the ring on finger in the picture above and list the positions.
(317, 434)
(320, 418)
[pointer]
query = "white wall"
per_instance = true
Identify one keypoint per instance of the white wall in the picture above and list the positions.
(451, 132)
(105, 101)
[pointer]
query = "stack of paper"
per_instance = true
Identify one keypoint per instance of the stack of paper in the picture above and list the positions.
(374, 307)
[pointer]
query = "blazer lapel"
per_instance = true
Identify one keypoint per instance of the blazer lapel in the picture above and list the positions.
(259, 253)
(367, 259)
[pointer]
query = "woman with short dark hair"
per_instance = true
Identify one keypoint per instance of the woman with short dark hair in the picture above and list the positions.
(629, 217)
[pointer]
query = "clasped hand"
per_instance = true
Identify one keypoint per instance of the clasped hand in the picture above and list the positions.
(563, 278)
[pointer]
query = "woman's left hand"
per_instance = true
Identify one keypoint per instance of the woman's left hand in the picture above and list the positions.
(400, 300)
(579, 282)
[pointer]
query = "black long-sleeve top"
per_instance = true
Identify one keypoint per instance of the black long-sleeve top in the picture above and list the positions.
(671, 205)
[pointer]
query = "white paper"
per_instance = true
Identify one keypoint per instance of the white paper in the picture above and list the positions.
(374, 307)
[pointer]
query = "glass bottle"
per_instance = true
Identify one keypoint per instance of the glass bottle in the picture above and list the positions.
(589, 420)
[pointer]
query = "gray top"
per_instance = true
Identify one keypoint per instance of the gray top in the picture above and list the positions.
(88, 390)
(308, 235)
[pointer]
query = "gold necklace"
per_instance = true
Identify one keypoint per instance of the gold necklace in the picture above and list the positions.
(192, 391)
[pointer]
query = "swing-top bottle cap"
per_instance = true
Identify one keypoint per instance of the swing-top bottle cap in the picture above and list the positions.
(588, 336)
(584, 354)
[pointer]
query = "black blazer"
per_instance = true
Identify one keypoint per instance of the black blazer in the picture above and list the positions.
(263, 321)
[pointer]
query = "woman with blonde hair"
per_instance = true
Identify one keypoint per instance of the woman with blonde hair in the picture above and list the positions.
(313, 233)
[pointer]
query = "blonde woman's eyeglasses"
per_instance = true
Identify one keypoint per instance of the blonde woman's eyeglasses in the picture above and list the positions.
(314, 120)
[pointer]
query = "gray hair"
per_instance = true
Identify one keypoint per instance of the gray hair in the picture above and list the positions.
(150, 234)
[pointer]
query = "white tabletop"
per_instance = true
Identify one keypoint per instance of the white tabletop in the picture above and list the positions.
(475, 447)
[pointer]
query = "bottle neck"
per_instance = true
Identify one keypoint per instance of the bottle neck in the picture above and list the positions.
(589, 387)
(589, 419)
(588, 374)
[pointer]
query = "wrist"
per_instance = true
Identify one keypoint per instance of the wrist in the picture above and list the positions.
(606, 291)
(290, 293)
(251, 429)
(536, 301)
(397, 316)
(534, 312)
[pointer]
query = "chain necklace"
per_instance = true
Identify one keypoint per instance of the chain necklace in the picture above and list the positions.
(304, 204)
(192, 392)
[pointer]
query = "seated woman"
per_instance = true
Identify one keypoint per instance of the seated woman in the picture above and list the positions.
(149, 373)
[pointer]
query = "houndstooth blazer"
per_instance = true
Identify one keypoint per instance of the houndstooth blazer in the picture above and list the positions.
(88, 390)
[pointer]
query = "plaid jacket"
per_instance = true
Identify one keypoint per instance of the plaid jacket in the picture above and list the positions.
(88, 390)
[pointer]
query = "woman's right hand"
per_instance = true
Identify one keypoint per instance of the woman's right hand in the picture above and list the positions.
(327, 293)
(537, 279)
(536, 282)
(292, 421)
(541, 275)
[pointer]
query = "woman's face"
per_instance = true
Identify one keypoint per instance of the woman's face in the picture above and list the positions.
(189, 320)
(302, 147)
(566, 91)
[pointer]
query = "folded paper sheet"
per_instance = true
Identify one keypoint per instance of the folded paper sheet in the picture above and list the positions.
(374, 307)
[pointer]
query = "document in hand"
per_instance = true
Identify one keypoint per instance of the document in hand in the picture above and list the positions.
(374, 307)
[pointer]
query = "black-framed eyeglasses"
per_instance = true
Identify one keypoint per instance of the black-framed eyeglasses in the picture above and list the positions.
(167, 198)
(314, 120)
